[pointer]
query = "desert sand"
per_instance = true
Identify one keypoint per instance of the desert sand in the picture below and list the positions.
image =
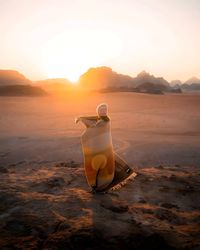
(45, 200)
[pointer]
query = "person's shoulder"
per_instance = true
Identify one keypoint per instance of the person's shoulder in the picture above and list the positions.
(105, 118)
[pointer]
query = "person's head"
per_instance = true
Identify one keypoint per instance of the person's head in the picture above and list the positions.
(102, 109)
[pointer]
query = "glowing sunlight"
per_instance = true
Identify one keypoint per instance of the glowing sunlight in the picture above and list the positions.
(71, 53)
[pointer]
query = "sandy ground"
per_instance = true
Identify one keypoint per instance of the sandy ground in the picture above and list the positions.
(45, 200)
(147, 129)
(49, 206)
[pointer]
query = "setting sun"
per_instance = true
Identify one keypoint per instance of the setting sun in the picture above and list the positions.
(71, 53)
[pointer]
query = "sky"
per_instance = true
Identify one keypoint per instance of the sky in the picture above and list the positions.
(63, 38)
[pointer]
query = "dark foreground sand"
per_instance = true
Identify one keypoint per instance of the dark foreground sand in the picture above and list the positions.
(45, 202)
(49, 206)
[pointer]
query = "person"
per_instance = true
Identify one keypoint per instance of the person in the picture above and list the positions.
(98, 149)
(104, 168)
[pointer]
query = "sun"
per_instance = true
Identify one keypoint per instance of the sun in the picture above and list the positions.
(72, 52)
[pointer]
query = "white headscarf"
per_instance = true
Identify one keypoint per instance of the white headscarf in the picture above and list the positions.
(102, 109)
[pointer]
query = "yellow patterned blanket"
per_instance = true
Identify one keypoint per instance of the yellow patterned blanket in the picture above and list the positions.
(104, 169)
(98, 152)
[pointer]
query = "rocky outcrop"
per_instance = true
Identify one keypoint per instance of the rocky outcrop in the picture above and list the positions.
(174, 83)
(151, 88)
(192, 80)
(144, 77)
(103, 78)
(190, 87)
(12, 77)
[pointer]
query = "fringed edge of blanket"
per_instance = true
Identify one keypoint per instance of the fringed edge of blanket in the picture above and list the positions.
(124, 182)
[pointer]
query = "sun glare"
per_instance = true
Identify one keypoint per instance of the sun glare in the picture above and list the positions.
(71, 53)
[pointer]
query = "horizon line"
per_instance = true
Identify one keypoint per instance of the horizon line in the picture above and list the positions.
(103, 66)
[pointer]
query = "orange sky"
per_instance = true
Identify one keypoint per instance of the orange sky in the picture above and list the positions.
(63, 38)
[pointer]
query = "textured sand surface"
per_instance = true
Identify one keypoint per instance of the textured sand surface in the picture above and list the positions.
(45, 200)
(49, 206)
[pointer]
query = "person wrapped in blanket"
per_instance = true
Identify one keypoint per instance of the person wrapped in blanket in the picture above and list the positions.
(101, 164)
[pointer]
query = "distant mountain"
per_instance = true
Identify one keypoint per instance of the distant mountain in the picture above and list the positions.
(144, 77)
(192, 80)
(54, 85)
(175, 83)
(99, 79)
(192, 84)
(12, 77)
(53, 81)
(146, 83)
(191, 87)
(21, 90)
(13, 83)
(105, 78)
(151, 88)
